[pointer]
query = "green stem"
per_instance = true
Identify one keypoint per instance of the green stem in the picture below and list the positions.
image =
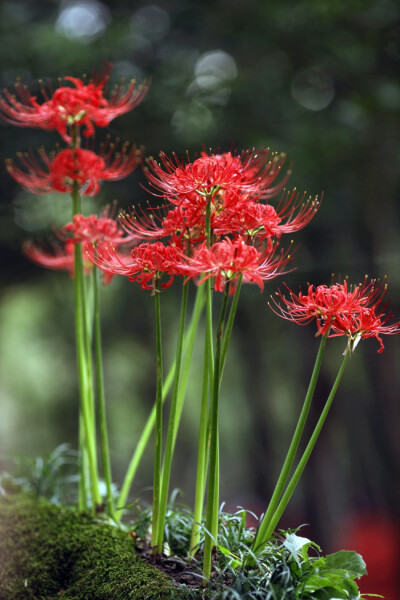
(208, 290)
(84, 359)
(214, 526)
(201, 472)
(224, 352)
(204, 429)
(304, 459)
(82, 489)
(285, 471)
(105, 453)
(213, 492)
(148, 428)
(209, 328)
(230, 322)
(188, 345)
(158, 428)
(169, 446)
(87, 317)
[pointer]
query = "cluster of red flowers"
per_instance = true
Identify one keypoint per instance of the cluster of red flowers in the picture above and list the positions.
(216, 221)
(216, 218)
(67, 110)
(74, 169)
(339, 310)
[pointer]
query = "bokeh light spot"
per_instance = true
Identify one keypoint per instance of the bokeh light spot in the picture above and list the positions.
(313, 88)
(192, 121)
(82, 21)
(214, 69)
(152, 21)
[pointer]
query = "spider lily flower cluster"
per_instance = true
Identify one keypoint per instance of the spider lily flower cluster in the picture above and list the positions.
(74, 108)
(217, 225)
(355, 312)
(339, 310)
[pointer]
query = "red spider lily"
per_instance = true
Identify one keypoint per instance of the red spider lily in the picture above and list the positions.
(248, 218)
(184, 222)
(295, 211)
(241, 217)
(146, 263)
(228, 259)
(94, 230)
(90, 231)
(263, 220)
(354, 312)
(323, 303)
(250, 173)
(367, 322)
(54, 256)
(59, 172)
(80, 105)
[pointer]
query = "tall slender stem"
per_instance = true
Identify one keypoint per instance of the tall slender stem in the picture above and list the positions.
(214, 524)
(82, 458)
(84, 360)
(207, 384)
(230, 322)
(170, 442)
(285, 471)
(212, 492)
(224, 352)
(158, 428)
(101, 400)
(209, 292)
(188, 343)
(188, 346)
(202, 451)
(304, 459)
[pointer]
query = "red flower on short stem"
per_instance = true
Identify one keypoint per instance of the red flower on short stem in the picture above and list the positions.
(340, 310)
(323, 303)
(88, 169)
(82, 104)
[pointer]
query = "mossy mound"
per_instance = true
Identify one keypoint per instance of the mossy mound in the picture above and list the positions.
(50, 552)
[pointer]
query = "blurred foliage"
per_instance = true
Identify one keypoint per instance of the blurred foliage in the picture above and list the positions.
(318, 80)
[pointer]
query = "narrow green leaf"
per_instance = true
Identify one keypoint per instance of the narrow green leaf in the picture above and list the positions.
(235, 562)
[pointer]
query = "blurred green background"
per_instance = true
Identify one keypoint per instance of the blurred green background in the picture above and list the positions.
(317, 80)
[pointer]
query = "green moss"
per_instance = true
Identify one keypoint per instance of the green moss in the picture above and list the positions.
(49, 552)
